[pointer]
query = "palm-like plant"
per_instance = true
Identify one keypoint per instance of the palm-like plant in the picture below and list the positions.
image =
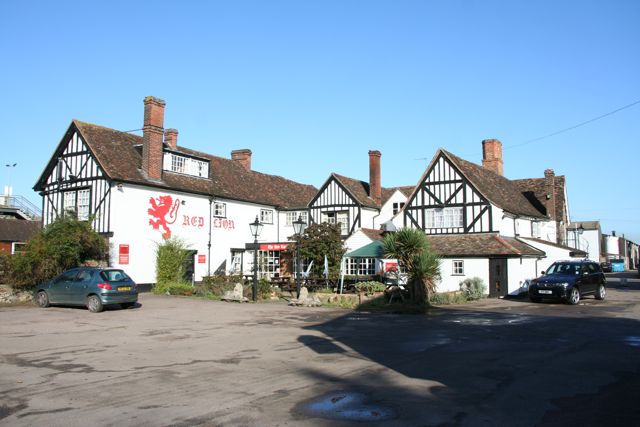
(411, 248)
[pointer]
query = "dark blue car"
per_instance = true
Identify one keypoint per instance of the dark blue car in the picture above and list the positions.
(569, 281)
(89, 286)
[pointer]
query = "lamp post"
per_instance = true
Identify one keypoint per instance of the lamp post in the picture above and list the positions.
(256, 228)
(298, 228)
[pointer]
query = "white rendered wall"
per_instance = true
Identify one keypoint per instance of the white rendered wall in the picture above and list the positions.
(519, 270)
(386, 211)
(473, 267)
(356, 241)
(130, 223)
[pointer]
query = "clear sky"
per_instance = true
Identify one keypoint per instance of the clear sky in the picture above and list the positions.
(311, 86)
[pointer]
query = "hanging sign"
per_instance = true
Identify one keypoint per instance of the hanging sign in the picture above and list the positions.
(123, 254)
(202, 259)
(273, 246)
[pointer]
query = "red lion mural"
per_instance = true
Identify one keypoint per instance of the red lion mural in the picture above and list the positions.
(163, 212)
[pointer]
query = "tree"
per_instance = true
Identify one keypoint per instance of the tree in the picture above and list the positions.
(411, 248)
(319, 240)
(63, 244)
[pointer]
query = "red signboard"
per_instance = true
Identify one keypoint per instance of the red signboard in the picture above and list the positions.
(273, 246)
(202, 259)
(123, 254)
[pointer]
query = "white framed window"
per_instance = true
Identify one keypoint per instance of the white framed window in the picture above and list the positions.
(458, 267)
(77, 202)
(293, 216)
(341, 218)
(186, 165)
(444, 218)
(266, 216)
(397, 207)
(360, 266)
(236, 261)
(535, 229)
(18, 247)
(220, 209)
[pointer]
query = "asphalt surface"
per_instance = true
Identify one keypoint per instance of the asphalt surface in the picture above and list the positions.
(181, 362)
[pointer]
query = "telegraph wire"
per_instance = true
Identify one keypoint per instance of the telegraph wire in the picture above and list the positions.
(574, 126)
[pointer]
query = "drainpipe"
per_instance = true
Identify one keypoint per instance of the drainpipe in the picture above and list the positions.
(209, 242)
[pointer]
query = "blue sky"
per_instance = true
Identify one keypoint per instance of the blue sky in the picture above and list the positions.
(311, 86)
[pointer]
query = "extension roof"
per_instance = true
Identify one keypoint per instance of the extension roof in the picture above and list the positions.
(18, 230)
(120, 156)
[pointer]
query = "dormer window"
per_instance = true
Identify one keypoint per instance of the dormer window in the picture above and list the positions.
(186, 165)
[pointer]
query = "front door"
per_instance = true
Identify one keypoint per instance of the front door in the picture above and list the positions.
(498, 277)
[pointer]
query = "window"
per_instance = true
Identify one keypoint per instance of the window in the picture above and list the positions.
(444, 218)
(266, 216)
(341, 218)
(360, 266)
(293, 216)
(397, 207)
(220, 209)
(268, 264)
(535, 229)
(458, 267)
(77, 202)
(186, 165)
(236, 261)
(18, 247)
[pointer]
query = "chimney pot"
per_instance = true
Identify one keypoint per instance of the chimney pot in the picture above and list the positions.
(492, 156)
(375, 188)
(243, 157)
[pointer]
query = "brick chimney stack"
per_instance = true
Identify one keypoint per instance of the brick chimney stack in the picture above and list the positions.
(375, 189)
(243, 157)
(492, 156)
(152, 135)
(550, 192)
(171, 138)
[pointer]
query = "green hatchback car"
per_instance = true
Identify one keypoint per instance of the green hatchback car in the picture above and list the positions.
(89, 286)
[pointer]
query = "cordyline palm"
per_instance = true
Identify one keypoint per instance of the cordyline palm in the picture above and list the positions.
(411, 248)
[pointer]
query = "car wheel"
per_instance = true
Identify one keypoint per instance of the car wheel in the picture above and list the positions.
(94, 304)
(534, 299)
(601, 292)
(127, 304)
(574, 296)
(42, 299)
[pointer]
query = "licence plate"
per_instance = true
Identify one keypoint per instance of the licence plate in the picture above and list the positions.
(124, 288)
(545, 292)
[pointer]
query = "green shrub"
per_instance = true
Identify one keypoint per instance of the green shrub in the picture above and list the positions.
(473, 288)
(171, 257)
(174, 288)
(369, 288)
(63, 244)
(444, 298)
(217, 285)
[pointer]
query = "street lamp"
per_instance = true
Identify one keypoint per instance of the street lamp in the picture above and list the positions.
(8, 189)
(298, 228)
(576, 232)
(256, 229)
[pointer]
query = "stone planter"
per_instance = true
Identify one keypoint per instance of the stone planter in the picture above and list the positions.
(9, 295)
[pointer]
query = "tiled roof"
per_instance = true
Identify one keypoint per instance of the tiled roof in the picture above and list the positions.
(574, 252)
(501, 191)
(116, 152)
(474, 245)
(18, 230)
(360, 190)
(535, 191)
(372, 233)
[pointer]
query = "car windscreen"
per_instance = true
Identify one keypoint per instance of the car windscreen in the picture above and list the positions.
(563, 269)
(114, 276)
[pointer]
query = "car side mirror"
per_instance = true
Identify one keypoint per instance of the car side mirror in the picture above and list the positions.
(542, 273)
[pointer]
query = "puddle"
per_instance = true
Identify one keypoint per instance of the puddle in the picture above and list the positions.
(632, 341)
(346, 406)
